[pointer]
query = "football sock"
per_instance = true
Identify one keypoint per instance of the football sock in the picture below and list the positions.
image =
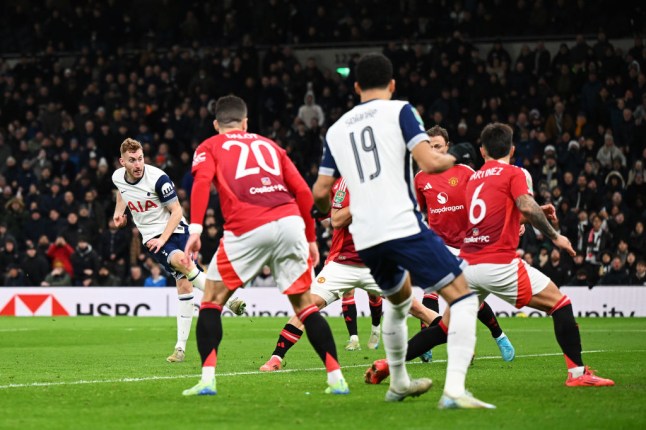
(288, 337)
(568, 336)
(461, 343)
(197, 278)
(431, 302)
(209, 334)
(375, 311)
(394, 333)
(349, 309)
(320, 336)
(427, 339)
(487, 317)
(184, 319)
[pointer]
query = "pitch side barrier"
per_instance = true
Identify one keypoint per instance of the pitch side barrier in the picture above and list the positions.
(606, 301)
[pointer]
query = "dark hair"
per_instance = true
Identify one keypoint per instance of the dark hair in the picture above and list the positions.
(496, 139)
(436, 130)
(230, 109)
(374, 71)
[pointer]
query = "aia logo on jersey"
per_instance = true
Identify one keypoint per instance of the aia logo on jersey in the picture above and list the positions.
(442, 198)
(453, 181)
(148, 204)
(199, 158)
(265, 181)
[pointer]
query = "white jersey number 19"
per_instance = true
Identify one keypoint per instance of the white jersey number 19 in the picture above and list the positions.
(368, 145)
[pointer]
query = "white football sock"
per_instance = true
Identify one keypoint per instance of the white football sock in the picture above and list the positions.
(460, 344)
(394, 332)
(208, 374)
(334, 376)
(184, 318)
(197, 278)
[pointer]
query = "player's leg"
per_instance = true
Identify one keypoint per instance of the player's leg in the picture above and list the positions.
(292, 270)
(184, 318)
(290, 334)
(376, 310)
(488, 318)
(461, 341)
(432, 302)
(552, 301)
(209, 335)
(349, 309)
(194, 273)
(320, 336)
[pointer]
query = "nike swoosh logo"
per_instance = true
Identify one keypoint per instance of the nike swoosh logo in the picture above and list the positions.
(123, 191)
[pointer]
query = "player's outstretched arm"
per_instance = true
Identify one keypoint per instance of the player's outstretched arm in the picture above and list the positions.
(431, 161)
(534, 214)
(120, 219)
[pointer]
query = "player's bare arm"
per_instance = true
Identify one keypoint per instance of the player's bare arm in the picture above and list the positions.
(431, 161)
(321, 192)
(341, 218)
(120, 219)
(549, 210)
(175, 209)
(534, 214)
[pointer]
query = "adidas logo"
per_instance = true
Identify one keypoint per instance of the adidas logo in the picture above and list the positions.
(427, 186)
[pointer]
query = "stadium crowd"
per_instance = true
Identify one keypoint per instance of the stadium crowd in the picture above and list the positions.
(579, 117)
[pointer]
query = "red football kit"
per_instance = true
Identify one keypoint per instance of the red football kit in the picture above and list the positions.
(442, 197)
(256, 181)
(342, 250)
(494, 219)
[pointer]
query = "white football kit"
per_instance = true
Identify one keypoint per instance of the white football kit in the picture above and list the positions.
(377, 169)
(147, 199)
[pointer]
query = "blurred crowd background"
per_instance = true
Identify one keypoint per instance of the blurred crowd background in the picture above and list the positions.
(78, 77)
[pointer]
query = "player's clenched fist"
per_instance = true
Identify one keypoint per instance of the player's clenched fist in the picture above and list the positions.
(120, 220)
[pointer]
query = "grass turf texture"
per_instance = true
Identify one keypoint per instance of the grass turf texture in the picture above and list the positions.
(111, 373)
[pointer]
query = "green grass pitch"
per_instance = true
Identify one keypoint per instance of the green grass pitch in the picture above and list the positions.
(111, 373)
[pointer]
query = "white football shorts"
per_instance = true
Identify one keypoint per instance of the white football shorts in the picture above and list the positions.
(335, 279)
(516, 282)
(280, 244)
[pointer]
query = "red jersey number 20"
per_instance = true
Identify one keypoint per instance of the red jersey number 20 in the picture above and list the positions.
(243, 170)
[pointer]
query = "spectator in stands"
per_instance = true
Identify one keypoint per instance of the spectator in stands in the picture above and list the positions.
(598, 241)
(58, 277)
(60, 251)
(609, 152)
(86, 263)
(210, 242)
(8, 254)
(14, 276)
(155, 279)
(555, 269)
(136, 277)
(106, 279)
(639, 277)
(310, 111)
(35, 265)
(616, 275)
(264, 279)
(637, 239)
(14, 216)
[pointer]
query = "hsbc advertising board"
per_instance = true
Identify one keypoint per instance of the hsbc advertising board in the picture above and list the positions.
(612, 302)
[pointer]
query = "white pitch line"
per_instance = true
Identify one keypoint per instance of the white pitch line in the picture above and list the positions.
(256, 372)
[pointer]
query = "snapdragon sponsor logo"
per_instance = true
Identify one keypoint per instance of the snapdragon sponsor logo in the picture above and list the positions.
(268, 189)
(446, 209)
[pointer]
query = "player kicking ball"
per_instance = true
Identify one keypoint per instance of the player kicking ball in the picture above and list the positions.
(150, 196)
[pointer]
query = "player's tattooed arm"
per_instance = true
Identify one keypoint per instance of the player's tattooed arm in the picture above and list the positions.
(534, 214)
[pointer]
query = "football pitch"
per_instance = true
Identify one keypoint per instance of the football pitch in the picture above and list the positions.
(111, 373)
